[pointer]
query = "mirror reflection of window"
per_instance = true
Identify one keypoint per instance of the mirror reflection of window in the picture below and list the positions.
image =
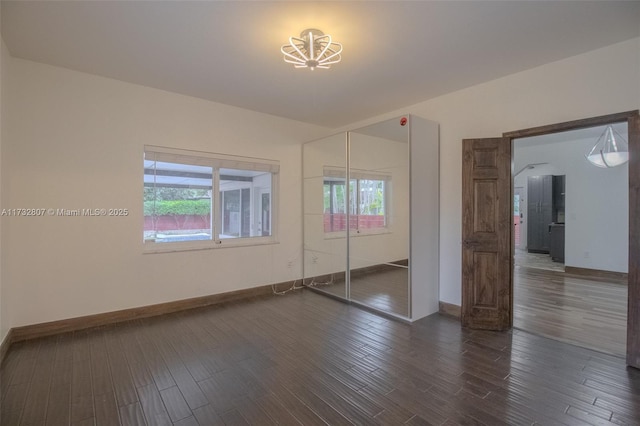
(371, 202)
(367, 201)
(335, 211)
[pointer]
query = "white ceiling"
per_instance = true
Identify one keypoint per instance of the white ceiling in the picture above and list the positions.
(396, 53)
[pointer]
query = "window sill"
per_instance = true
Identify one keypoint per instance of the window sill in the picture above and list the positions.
(153, 248)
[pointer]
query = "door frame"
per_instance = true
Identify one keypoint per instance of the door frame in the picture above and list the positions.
(633, 299)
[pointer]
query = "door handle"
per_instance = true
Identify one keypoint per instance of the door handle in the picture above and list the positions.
(468, 243)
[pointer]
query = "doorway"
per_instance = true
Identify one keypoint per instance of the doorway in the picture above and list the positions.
(576, 216)
(487, 282)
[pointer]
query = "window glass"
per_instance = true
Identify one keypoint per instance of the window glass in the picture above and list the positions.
(177, 202)
(246, 203)
(208, 198)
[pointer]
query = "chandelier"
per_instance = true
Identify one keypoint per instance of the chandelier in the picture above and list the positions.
(313, 49)
(610, 150)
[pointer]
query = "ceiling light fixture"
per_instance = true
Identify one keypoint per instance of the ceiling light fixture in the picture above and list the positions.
(313, 49)
(610, 150)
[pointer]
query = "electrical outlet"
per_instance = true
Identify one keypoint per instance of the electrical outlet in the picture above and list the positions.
(290, 264)
(314, 259)
(587, 255)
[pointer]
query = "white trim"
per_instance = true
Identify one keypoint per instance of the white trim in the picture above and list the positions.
(199, 158)
(209, 244)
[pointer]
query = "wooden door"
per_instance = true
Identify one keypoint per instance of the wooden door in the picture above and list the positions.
(487, 206)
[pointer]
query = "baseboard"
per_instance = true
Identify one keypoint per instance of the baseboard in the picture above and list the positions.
(80, 323)
(4, 346)
(596, 273)
(449, 309)
(339, 276)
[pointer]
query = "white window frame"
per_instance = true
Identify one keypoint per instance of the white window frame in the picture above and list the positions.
(217, 161)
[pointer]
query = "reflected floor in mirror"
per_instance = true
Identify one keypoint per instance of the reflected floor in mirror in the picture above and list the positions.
(385, 290)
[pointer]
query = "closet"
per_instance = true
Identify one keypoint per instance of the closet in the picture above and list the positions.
(371, 216)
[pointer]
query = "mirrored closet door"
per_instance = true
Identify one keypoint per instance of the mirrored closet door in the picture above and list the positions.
(379, 201)
(325, 214)
(358, 195)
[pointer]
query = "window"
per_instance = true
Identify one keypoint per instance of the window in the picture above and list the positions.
(367, 201)
(200, 200)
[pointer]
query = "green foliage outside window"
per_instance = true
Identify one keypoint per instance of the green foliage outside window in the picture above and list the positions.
(338, 198)
(200, 207)
(164, 201)
(371, 197)
(166, 193)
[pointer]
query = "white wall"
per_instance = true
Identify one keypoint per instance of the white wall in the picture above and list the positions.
(599, 82)
(76, 141)
(596, 203)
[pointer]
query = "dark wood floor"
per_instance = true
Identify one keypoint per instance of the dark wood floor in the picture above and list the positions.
(307, 359)
(537, 261)
(590, 312)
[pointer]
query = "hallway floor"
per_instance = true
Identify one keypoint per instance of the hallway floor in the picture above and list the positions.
(589, 312)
